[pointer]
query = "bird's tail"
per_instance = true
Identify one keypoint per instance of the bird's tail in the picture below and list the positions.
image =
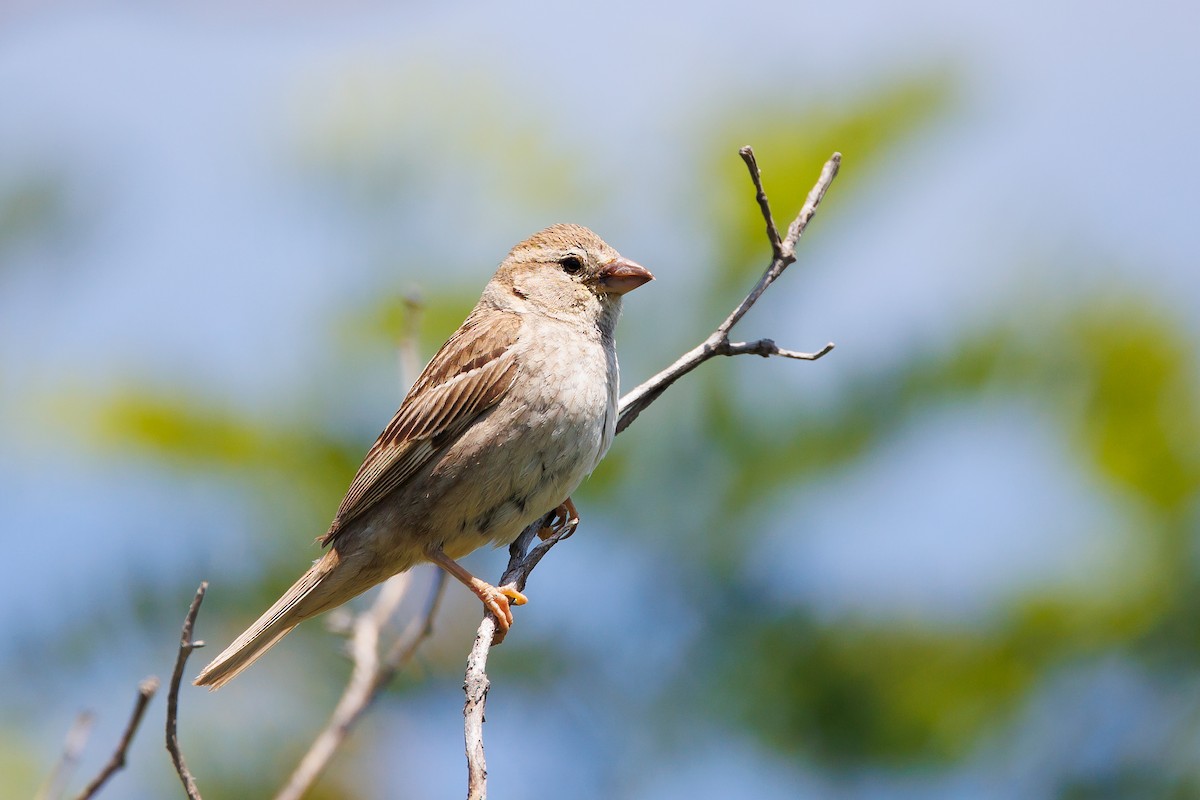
(309, 596)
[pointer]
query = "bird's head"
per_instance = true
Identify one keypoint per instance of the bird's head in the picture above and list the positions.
(567, 267)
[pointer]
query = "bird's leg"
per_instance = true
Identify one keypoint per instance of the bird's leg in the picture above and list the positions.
(494, 598)
(566, 520)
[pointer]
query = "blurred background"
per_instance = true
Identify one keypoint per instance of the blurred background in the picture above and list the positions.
(956, 558)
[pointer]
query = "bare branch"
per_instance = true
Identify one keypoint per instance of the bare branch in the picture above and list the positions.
(767, 348)
(186, 646)
(815, 196)
(370, 674)
(475, 686)
(786, 254)
(747, 154)
(717, 343)
(146, 690)
(521, 563)
(77, 736)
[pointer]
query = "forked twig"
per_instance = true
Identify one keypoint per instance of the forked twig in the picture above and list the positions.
(717, 343)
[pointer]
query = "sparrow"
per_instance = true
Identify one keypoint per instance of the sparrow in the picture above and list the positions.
(512, 413)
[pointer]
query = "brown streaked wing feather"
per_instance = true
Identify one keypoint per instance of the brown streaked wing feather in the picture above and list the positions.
(467, 376)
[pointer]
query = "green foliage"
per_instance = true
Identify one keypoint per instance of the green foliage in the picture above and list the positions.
(190, 433)
(851, 693)
(19, 766)
(1140, 416)
(1120, 380)
(391, 318)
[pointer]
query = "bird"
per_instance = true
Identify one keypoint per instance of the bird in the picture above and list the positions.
(503, 424)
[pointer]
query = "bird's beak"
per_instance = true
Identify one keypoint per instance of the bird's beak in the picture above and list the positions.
(622, 275)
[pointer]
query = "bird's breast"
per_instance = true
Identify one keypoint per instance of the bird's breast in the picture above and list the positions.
(538, 444)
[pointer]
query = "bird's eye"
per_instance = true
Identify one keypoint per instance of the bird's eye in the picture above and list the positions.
(571, 265)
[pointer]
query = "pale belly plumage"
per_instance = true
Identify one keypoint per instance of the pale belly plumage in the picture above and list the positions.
(499, 477)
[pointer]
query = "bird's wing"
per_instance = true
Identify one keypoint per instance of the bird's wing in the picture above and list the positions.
(467, 376)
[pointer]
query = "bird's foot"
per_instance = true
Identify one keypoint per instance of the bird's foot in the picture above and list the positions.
(497, 600)
(564, 523)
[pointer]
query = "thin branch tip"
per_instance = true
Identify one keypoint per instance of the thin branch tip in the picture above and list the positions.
(116, 762)
(760, 194)
(824, 351)
(186, 646)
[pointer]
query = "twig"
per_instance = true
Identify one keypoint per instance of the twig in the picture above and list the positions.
(475, 686)
(186, 646)
(815, 196)
(146, 690)
(369, 676)
(520, 564)
(747, 154)
(717, 343)
(76, 740)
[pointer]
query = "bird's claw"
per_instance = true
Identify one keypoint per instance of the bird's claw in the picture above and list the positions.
(564, 523)
(498, 600)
